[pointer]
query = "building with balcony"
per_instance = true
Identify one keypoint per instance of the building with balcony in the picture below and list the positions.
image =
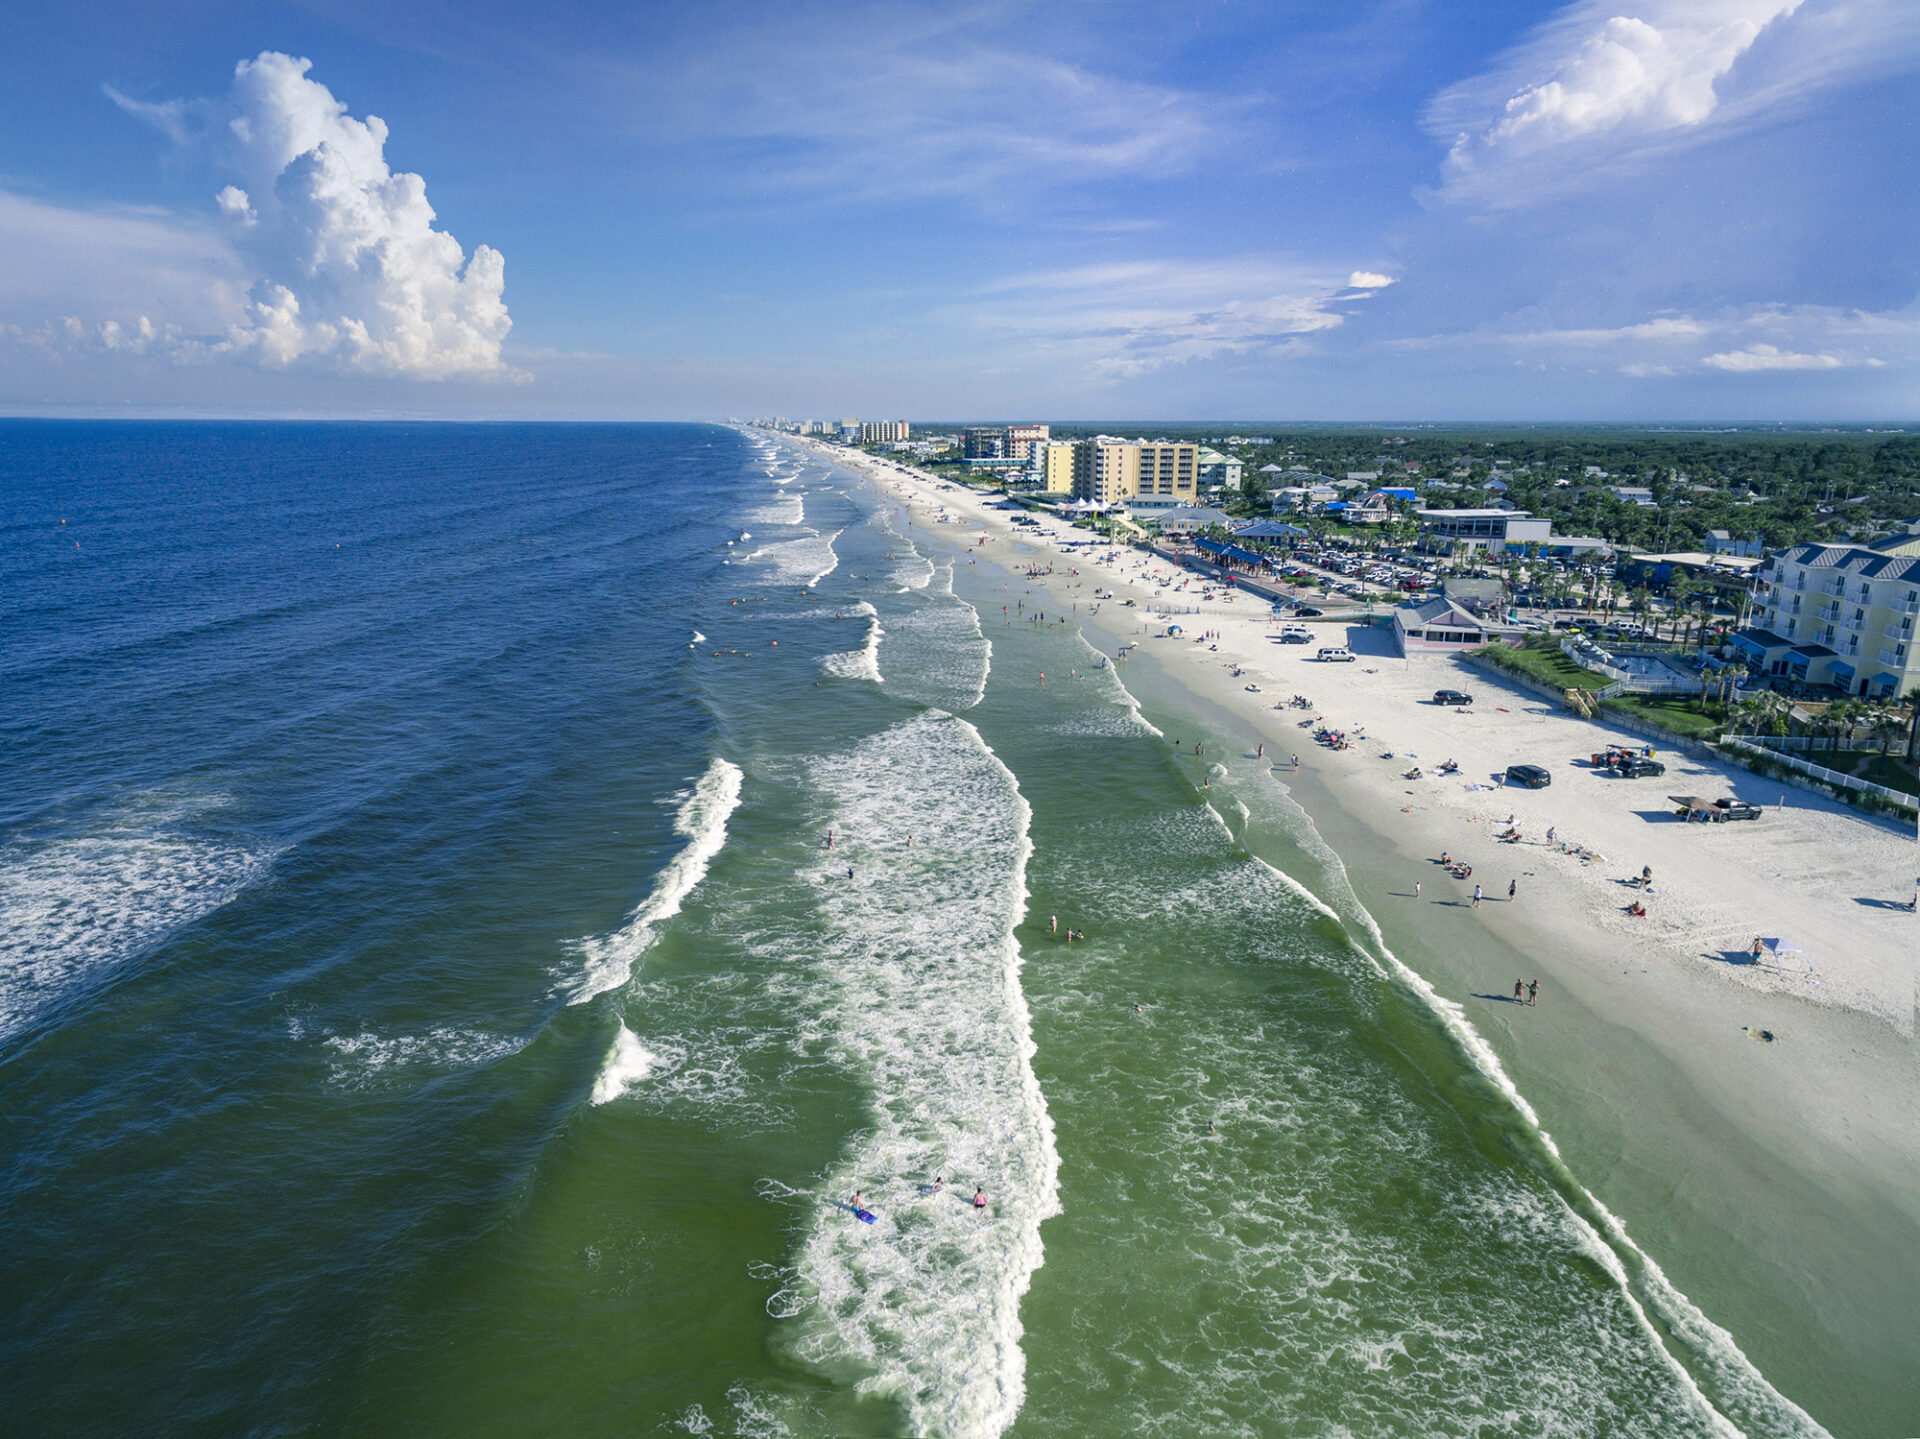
(1108, 471)
(1017, 441)
(1050, 465)
(1839, 615)
(984, 442)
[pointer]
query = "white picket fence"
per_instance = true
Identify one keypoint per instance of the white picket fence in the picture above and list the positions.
(1763, 746)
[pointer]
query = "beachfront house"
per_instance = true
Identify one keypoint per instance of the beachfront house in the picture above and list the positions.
(1441, 625)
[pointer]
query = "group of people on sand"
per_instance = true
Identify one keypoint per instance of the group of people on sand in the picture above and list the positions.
(1530, 989)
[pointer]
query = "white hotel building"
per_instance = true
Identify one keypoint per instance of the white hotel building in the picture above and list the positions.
(1843, 615)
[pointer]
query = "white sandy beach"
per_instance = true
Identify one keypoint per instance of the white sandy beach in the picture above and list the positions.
(1811, 871)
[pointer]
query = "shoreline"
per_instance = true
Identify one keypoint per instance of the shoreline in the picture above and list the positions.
(1778, 1184)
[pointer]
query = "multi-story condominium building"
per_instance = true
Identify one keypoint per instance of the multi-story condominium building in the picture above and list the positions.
(1108, 471)
(1019, 440)
(1105, 470)
(880, 432)
(1052, 466)
(984, 442)
(1169, 470)
(1842, 615)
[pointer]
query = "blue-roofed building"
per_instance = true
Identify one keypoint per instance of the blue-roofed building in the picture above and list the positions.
(1847, 612)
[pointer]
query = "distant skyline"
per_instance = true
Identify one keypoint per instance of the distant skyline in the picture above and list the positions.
(1659, 212)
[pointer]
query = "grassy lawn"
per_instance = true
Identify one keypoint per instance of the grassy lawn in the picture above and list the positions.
(1546, 664)
(1679, 713)
(1869, 765)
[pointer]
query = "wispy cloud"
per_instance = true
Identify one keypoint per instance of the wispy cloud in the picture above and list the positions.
(172, 118)
(1124, 319)
(1816, 338)
(949, 104)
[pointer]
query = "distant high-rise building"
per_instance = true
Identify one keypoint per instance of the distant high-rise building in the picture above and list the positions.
(880, 432)
(984, 443)
(1018, 440)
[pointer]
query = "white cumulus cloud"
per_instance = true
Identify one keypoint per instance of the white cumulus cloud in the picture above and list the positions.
(1368, 280)
(351, 268)
(1594, 74)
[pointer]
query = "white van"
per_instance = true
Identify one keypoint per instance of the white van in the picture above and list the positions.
(1335, 654)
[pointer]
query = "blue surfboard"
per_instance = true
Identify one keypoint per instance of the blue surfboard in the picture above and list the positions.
(865, 1216)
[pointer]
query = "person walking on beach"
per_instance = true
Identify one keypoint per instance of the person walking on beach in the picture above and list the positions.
(1533, 991)
(1518, 989)
(1513, 888)
(1476, 896)
(1416, 889)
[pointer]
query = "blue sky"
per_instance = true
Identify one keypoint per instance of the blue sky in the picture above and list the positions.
(1672, 209)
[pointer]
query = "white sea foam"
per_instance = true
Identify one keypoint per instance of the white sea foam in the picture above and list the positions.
(860, 664)
(804, 561)
(911, 569)
(1599, 1231)
(365, 1060)
(628, 1063)
(73, 910)
(607, 960)
(937, 652)
(783, 510)
(921, 987)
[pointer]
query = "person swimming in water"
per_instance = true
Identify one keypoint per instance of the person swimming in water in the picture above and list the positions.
(979, 1197)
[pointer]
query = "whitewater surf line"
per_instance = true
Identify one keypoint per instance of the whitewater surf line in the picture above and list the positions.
(863, 663)
(75, 910)
(919, 976)
(627, 1063)
(608, 960)
(1640, 1280)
